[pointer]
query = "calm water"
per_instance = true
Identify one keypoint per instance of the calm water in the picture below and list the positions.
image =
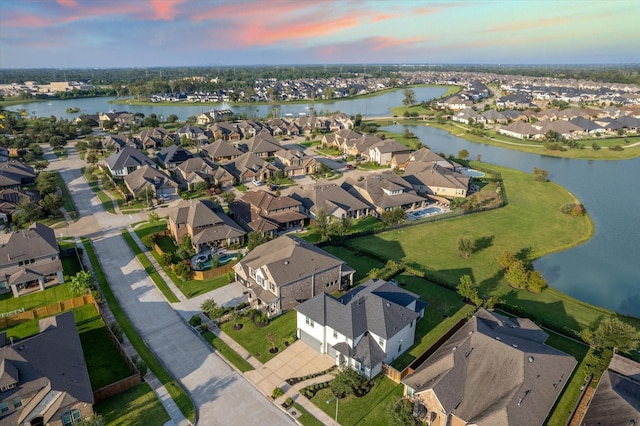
(373, 106)
(606, 270)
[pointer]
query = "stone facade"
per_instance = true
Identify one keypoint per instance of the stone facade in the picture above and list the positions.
(294, 293)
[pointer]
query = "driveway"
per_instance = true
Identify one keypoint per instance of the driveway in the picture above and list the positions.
(221, 395)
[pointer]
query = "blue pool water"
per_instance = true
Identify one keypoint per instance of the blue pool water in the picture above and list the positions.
(206, 261)
(472, 173)
(424, 212)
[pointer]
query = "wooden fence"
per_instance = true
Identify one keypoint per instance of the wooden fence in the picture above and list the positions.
(116, 388)
(210, 273)
(46, 311)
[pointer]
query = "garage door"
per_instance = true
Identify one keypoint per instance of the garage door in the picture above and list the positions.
(331, 351)
(310, 340)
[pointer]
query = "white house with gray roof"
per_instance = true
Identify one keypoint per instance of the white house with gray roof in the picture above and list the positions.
(286, 271)
(494, 370)
(127, 161)
(372, 324)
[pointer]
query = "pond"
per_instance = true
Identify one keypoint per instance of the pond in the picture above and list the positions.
(605, 271)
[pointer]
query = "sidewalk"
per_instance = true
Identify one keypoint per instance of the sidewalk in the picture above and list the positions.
(163, 395)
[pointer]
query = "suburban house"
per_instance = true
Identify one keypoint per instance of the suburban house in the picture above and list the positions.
(126, 161)
(333, 199)
(225, 131)
(248, 167)
(494, 370)
(493, 116)
(9, 199)
(372, 324)
(221, 151)
(172, 156)
(260, 211)
(384, 151)
(521, 130)
(149, 178)
(427, 156)
(14, 174)
(155, 138)
(214, 116)
(197, 135)
(195, 170)
(430, 178)
(44, 378)
(469, 115)
(455, 103)
(29, 260)
(284, 272)
(205, 225)
(360, 147)
(117, 142)
(338, 138)
(263, 145)
(294, 162)
(617, 397)
(385, 191)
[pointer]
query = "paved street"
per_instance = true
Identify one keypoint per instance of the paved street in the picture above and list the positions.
(222, 396)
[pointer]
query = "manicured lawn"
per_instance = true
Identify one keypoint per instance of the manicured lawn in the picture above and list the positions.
(370, 409)
(571, 393)
(106, 201)
(138, 405)
(329, 152)
(306, 418)
(176, 391)
(67, 201)
(254, 338)
(362, 264)
(368, 223)
(429, 329)
(104, 361)
(150, 229)
(226, 352)
(149, 269)
(531, 221)
(35, 300)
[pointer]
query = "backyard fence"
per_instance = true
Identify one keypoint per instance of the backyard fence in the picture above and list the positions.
(45, 311)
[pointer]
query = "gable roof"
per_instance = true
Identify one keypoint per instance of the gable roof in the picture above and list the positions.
(173, 154)
(525, 375)
(328, 196)
(261, 143)
(36, 241)
(431, 174)
(388, 146)
(221, 148)
(377, 188)
(128, 157)
(14, 173)
(148, 176)
(267, 202)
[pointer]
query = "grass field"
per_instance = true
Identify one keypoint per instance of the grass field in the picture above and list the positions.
(362, 264)
(104, 361)
(371, 409)
(254, 338)
(138, 405)
(226, 352)
(67, 201)
(306, 418)
(176, 391)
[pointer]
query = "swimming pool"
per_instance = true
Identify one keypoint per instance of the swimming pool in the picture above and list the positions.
(202, 262)
(472, 173)
(424, 212)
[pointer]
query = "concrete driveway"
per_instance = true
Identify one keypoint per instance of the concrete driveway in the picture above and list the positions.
(221, 395)
(297, 360)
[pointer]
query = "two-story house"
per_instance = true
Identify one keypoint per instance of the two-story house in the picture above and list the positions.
(29, 260)
(385, 191)
(333, 199)
(372, 324)
(283, 272)
(14, 174)
(431, 178)
(294, 162)
(126, 161)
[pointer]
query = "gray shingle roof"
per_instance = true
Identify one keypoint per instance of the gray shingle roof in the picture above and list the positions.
(128, 157)
(328, 197)
(495, 370)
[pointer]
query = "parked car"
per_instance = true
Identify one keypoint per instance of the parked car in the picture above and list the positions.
(258, 183)
(273, 187)
(349, 166)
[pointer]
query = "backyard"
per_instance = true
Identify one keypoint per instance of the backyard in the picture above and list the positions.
(255, 339)
(138, 405)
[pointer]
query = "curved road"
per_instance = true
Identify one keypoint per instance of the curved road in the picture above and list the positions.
(222, 396)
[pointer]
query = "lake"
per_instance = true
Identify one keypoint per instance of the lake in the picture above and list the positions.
(605, 271)
(369, 106)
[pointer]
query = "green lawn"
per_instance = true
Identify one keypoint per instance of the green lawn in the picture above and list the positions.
(429, 329)
(226, 352)
(530, 222)
(104, 361)
(306, 418)
(176, 391)
(254, 338)
(370, 409)
(106, 201)
(67, 201)
(150, 229)
(571, 393)
(149, 269)
(35, 300)
(362, 264)
(138, 405)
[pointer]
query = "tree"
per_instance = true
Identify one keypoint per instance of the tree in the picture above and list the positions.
(40, 165)
(46, 183)
(146, 194)
(35, 148)
(172, 118)
(153, 217)
(81, 283)
(540, 175)
(51, 204)
(468, 290)
(463, 154)
(185, 249)
(228, 196)
(517, 274)
(93, 420)
(506, 259)
(402, 413)
(344, 382)
(614, 334)
(183, 271)
(57, 142)
(211, 309)
(536, 282)
(409, 97)
(392, 217)
(91, 158)
(254, 239)
(26, 212)
(465, 247)
(322, 222)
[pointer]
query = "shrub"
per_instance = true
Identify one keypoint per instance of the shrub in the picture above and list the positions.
(616, 148)
(195, 321)
(140, 365)
(276, 392)
(116, 330)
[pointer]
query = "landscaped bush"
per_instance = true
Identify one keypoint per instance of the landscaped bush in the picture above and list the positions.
(276, 392)
(616, 148)
(195, 321)
(116, 330)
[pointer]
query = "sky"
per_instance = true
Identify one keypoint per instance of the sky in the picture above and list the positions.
(149, 33)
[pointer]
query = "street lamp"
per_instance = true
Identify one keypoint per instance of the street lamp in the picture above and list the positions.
(335, 421)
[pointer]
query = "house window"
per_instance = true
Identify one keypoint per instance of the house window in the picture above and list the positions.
(4, 407)
(75, 415)
(411, 324)
(272, 287)
(399, 347)
(260, 280)
(17, 402)
(66, 419)
(358, 365)
(310, 322)
(381, 341)
(335, 334)
(409, 391)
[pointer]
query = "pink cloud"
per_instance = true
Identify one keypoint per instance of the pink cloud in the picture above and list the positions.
(384, 17)
(68, 3)
(254, 9)
(381, 43)
(165, 9)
